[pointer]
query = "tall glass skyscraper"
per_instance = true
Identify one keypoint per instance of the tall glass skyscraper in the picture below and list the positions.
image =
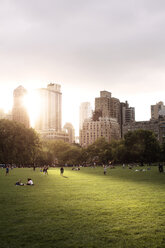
(85, 112)
(50, 108)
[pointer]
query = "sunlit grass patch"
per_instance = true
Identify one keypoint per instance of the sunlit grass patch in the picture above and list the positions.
(83, 209)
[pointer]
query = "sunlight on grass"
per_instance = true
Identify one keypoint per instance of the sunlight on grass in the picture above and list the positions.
(83, 209)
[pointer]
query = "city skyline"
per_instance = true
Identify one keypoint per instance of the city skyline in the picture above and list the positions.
(86, 47)
(67, 116)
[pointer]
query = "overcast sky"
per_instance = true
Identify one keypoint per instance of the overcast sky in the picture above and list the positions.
(86, 46)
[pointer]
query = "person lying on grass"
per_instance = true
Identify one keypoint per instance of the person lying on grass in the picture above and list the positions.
(19, 183)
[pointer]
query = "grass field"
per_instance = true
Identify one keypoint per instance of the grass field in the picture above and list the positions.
(83, 209)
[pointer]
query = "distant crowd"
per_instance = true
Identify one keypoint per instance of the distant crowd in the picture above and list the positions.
(110, 165)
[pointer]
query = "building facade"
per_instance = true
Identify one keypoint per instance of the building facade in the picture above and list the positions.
(108, 106)
(19, 111)
(50, 114)
(53, 135)
(102, 104)
(70, 131)
(85, 112)
(156, 126)
(127, 115)
(105, 127)
(157, 110)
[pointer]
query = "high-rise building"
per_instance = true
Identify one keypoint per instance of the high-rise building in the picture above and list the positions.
(102, 104)
(85, 113)
(127, 114)
(108, 119)
(157, 110)
(105, 120)
(107, 105)
(19, 112)
(50, 114)
(70, 131)
(115, 109)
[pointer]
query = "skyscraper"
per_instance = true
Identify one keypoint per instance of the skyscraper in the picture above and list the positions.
(127, 115)
(85, 113)
(70, 131)
(107, 105)
(157, 110)
(104, 122)
(50, 113)
(19, 112)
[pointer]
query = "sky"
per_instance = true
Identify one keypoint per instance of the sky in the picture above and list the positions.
(86, 46)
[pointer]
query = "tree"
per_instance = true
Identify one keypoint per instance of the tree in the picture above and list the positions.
(71, 156)
(119, 154)
(18, 144)
(100, 151)
(141, 146)
(162, 152)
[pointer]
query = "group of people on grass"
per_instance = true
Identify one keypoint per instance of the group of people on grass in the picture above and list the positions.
(45, 171)
(29, 182)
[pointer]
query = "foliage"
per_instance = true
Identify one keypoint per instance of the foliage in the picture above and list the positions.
(99, 151)
(22, 146)
(60, 152)
(18, 144)
(162, 152)
(119, 153)
(141, 146)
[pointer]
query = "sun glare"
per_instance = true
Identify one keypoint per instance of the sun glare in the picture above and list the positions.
(32, 103)
(6, 101)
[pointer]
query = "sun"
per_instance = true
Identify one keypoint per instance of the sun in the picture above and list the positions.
(32, 103)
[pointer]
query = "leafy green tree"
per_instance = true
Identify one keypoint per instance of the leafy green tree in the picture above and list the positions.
(58, 151)
(71, 155)
(18, 144)
(100, 151)
(119, 154)
(162, 153)
(141, 146)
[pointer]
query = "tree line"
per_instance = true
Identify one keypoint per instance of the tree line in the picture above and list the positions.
(22, 146)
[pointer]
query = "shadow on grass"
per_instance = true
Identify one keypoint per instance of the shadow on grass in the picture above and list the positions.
(149, 176)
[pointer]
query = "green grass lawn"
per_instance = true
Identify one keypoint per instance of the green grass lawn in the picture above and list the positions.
(83, 209)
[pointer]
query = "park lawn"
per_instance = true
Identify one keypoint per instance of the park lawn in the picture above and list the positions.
(83, 209)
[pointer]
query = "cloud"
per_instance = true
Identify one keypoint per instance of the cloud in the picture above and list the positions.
(110, 44)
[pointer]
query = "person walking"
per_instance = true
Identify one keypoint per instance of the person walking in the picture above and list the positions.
(161, 168)
(7, 170)
(62, 171)
(105, 169)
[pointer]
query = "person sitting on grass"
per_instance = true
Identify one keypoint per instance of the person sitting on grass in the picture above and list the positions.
(30, 182)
